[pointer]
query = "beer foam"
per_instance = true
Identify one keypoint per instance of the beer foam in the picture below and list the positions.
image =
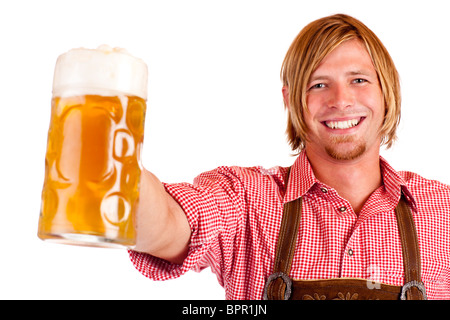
(102, 71)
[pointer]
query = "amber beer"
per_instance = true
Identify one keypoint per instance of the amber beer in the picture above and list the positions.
(92, 164)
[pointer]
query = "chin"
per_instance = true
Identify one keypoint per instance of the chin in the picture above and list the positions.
(341, 153)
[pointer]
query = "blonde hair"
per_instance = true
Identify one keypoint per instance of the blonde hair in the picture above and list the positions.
(310, 47)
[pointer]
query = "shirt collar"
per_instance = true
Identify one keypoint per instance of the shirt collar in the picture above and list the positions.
(302, 179)
(394, 184)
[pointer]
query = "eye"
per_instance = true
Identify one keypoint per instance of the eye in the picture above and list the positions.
(359, 80)
(318, 86)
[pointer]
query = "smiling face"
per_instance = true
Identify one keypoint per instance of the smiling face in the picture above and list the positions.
(345, 105)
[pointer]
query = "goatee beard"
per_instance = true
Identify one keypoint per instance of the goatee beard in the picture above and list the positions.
(336, 153)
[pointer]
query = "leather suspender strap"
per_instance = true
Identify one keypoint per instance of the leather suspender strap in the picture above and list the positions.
(413, 288)
(288, 237)
(279, 284)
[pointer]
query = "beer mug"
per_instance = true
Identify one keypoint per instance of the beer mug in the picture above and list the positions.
(92, 163)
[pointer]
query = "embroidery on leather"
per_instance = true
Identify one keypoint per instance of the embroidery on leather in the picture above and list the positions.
(348, 296)
(315, 296)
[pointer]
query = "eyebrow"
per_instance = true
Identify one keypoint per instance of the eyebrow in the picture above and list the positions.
(359, 72)
(349, 73)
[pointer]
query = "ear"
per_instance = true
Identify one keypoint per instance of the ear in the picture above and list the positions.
(285, 91)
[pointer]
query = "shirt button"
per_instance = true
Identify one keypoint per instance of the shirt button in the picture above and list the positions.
(350, 252)
(342, 209)
(324, 190)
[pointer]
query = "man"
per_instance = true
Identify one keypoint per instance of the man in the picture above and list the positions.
(342, 92)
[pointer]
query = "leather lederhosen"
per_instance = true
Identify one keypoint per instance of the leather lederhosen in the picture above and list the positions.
(279, 286)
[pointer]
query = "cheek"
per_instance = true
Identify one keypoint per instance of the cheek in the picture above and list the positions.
(379, 110)
(314, 101)
(373, 99)
(314, 104)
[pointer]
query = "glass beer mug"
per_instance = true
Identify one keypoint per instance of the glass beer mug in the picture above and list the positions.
(92, 164)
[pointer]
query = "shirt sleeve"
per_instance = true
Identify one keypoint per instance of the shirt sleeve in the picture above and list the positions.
(213, 205)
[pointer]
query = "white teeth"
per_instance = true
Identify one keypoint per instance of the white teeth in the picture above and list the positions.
(342, 124)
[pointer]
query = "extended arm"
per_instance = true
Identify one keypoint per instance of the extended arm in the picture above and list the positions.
(162, 227)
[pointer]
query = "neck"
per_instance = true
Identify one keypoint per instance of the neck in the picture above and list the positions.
(354, 180)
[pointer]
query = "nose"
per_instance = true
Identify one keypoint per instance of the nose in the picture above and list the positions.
(340, 96)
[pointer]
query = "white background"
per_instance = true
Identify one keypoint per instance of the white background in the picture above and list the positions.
(214, 99)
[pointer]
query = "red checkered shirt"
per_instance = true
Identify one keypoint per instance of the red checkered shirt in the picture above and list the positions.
(235, 216)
